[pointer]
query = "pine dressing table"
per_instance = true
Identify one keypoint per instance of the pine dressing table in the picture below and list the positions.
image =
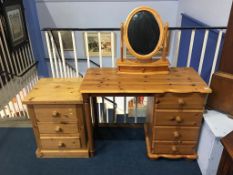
(176, 95)
(176, 104)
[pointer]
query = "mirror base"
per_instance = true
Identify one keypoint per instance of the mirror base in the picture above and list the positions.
(130, 66)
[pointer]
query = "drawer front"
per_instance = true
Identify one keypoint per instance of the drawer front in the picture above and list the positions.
(63, 143)
(50, 128)
(167, 133)
(178, 118)
(171, 148)
(57, 113)
(180, 101)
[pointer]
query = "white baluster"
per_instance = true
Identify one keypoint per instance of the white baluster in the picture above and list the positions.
(49, 52)
(87, 49)
(75, 53)
(177, 48)
(100, 50)
(62, 54)
(203, 51)
(190, 48)
(216, 55)
(113, 48)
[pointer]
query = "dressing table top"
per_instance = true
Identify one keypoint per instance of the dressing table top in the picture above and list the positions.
(109, 80)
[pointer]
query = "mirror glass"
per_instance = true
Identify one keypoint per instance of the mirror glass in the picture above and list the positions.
(143, 32)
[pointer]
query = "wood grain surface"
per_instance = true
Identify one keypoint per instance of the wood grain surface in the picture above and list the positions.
(108, 80)
(55, 91)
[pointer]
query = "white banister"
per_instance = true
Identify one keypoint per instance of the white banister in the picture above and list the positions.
(15, 63)
(136, 110)
(191, 48)
(87, 49)
(112, 49)
(4, 113)
(5, 57)
(25, 53)
(99, 110)
(29, 50)
(62, 54)
(203, 51)
(125, 112)
(75, 53)
(100, 50)
(216, 55)
(5, 43)
(18, 61)
(58, 60)
(54, 57)
(22, 59)
(49, 52)
(67, 72)
(177, 48)
(24, 56)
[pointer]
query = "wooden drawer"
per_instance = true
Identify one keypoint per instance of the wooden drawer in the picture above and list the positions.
(186, 148)
(180, 101)
(169, 133)
(50, 128)
(60, 143)
(177, 118)
(57, 113)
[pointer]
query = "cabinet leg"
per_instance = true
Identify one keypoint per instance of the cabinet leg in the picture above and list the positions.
(86, 102)
(95, 112)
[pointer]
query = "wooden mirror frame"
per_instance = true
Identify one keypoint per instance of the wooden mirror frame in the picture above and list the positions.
(161, 37)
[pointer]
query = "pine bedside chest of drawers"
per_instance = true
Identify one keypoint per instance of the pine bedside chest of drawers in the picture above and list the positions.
(56, 110)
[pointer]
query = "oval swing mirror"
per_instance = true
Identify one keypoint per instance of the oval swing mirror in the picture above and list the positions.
(143, 33)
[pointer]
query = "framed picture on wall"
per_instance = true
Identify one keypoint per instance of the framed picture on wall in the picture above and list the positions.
(106, 43)
(15, 23)
(66, 40)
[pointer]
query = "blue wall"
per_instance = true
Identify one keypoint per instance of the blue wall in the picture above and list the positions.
(188, 21)
(35, 36)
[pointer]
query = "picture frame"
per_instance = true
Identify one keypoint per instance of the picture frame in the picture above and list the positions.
(15, 23)
(140, 111)
(93, 44)
(66, 40)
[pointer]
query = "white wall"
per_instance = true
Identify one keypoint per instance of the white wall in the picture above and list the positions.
(98, 14)
(211, 12)
(83, 14)
(78, 14)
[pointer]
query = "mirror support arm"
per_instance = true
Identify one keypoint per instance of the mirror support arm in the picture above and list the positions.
(122, 41)
(165, 42)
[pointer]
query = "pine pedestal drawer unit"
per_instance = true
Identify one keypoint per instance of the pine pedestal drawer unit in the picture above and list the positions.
(175, 106)
(55, 107)
(173, 124)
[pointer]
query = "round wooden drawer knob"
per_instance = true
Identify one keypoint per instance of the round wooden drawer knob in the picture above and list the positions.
(174, 149)
(178, 119)
(181, 101)
(61, 145)
(176, 134)
(58, 129)
(55, 114)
